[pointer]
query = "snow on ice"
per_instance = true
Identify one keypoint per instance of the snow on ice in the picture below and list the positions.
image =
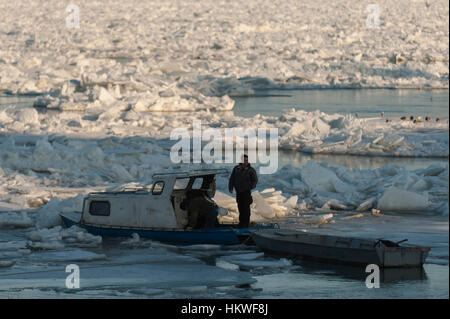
(49, 173)
(119, 135)
(216, 49)
(101, 119)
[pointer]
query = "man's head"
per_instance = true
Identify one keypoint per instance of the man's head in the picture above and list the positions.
(244, 160)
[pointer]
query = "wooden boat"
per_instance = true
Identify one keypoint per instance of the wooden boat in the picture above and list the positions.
(156, 213)
(383, 253)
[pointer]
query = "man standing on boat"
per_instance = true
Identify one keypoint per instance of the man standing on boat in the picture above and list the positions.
(243, 179)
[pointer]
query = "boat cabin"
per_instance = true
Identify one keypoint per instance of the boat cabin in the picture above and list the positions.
(157, 207)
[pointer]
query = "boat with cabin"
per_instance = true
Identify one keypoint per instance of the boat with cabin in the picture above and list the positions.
(158, 212)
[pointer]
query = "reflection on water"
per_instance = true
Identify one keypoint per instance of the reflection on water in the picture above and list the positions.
(365, 102)
(298, 159)
(16, 100)
(387, 275)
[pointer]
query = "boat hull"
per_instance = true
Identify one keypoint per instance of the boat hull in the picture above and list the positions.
(324, 250)
(219, 235)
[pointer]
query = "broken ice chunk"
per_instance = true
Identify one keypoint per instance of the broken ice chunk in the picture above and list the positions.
(402, 200)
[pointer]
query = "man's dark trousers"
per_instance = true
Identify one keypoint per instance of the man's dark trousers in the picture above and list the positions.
(244, 199)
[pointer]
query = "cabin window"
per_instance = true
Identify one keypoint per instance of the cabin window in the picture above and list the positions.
(197, 183)
(181, 183)
(99, 208)
(158, 188)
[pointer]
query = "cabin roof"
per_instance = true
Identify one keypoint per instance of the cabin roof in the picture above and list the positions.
(191, 173)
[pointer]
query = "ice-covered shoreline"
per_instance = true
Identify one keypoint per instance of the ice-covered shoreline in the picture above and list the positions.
(61, 154)
(131, 62)
(193, 55)
(39, 173)
(309, 132)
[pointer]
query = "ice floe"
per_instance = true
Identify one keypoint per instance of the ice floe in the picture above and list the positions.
(269, 44)
(318, 132)
(190, 290)
(327, 191)
(389, 188)
(59, 238)
(397, 199)
(261, 264)
(135, 242)
(68, 255)
(147, 271)
(15, 220)
(6, 263)
(290, 191)
(243, 256)
(12, 251)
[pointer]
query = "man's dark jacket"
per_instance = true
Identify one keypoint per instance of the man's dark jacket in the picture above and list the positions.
(243, 179)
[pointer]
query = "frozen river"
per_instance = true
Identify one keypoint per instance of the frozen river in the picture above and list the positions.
(110, 93)
(154, 270)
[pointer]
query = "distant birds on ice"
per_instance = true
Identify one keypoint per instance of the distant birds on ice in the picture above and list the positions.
(416, 120)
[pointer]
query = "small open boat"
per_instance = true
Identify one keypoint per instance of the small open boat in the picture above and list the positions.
(157, 213)
(383, 253)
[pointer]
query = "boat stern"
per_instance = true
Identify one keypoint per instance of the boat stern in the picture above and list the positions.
(402, 256)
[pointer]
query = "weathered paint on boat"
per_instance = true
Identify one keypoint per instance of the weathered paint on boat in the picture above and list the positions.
(339, 249)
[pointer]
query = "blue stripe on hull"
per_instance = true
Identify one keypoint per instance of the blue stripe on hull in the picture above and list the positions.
(219, 236)
(222, 237)
(225, 236)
